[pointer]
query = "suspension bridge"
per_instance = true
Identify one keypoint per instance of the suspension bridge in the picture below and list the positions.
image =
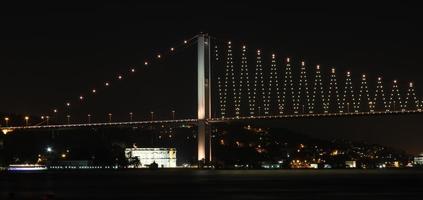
(244, 85)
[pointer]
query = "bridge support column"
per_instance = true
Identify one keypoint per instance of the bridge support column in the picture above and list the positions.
(204, 101)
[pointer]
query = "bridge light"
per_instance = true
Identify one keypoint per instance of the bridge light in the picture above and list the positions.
(119, 77)
(172, 49)
(107, 84)
(6, 119)
(81, 97)
(132, 70)
(94, 91)
(302, 63)
(185, 41)
(55, 110)
(159, 56)
(26, 120)
(287, 59)
(145, 63)
(318, 67)
(67, 104)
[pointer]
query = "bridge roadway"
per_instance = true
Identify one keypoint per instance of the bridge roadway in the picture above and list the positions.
(195, 121)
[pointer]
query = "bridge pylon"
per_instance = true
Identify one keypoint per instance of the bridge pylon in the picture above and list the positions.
(204, 99)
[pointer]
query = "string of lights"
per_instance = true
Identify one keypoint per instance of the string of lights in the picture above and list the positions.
(364, 96)
(318, 93)
(333, 94)
(229, 74)
(287, 85)
(348, 98)
(258, 89)
(411, 101)
(244, 82)
(273, 85)
(303, 97)
(220, 88)
(65, 108)
(395, 98)
(379, 100)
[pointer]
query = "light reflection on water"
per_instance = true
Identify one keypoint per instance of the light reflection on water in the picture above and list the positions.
(213, 184)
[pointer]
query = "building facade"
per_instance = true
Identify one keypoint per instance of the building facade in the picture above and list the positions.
(163, 157)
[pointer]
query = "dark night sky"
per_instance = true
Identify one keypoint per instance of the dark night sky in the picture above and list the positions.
(51, 52)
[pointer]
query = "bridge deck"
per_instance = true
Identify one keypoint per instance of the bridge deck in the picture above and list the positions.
(212, 120)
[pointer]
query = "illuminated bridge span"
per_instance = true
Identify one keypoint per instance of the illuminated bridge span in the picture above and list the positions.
(247, 86)
(195, 121)
(103, 124)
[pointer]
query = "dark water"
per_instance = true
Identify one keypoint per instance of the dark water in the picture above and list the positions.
(214, 184)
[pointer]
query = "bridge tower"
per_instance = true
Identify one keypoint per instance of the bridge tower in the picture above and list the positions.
(204, 99)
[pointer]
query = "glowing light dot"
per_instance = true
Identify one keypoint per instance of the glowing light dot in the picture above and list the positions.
(287, 59)
(94, 91)
(55, 110)
(185, 41)
(159, 56)
(119, 77)
(395, 81)
(67, 104)
(302, 63)
(107, 84)
(145, 63)
(132, 70)
(333, 70)
(318, 67)
(81, 98)
(172, 49)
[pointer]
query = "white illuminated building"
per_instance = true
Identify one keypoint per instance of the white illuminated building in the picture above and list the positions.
(418, 160)
(164, 157)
